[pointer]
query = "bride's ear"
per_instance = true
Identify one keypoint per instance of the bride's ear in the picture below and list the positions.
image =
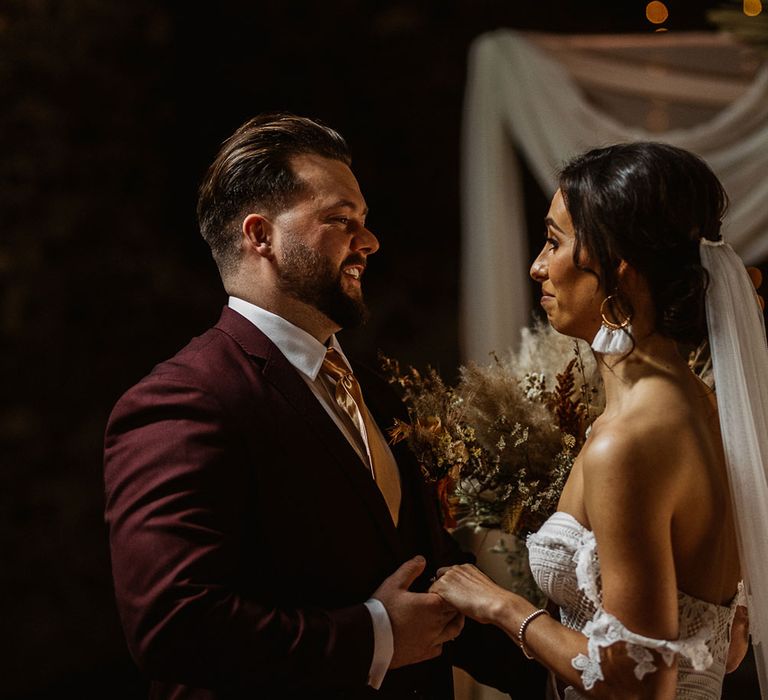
(627, 277)
(633, 287)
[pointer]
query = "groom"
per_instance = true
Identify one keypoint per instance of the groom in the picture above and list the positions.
(266, 540)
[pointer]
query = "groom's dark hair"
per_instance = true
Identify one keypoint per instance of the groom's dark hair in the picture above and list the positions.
(252, 169)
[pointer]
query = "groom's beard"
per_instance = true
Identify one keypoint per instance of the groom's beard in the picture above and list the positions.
(312, 278)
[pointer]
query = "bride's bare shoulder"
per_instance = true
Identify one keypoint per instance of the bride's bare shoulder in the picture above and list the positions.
(634, 450)
(627, 482)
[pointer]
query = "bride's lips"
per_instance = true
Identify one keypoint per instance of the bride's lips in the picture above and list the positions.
(546, 297)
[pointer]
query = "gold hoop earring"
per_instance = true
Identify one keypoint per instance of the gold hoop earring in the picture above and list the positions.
(612, 324)
(613, 338)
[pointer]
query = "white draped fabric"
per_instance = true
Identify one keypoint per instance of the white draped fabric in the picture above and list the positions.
(531, 95)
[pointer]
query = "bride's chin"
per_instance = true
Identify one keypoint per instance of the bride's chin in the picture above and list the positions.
(570, 330)
(560, 327)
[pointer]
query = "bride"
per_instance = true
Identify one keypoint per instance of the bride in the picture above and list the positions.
(642, 557)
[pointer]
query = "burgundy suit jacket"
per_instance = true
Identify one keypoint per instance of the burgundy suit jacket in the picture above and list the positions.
(246, 535)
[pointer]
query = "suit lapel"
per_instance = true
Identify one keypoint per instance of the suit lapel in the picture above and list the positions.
(285, 379)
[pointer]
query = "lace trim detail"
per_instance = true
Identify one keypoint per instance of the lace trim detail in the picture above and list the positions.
(741, 596)
(605, 629)
(588, 568)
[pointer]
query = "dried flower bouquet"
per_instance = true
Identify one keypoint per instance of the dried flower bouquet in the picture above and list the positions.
(500, 444)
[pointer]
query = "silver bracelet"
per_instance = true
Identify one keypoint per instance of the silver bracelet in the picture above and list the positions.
(523, 625)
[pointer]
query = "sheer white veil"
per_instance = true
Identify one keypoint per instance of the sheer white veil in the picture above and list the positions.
(740, 367)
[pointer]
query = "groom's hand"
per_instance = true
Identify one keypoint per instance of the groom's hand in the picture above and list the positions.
(421, 622)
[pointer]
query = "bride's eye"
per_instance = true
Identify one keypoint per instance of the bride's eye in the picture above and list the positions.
(552, 242)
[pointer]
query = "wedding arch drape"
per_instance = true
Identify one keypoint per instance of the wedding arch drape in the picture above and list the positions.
(530, 95)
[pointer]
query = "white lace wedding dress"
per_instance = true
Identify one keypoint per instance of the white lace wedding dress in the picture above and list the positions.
(563, 559)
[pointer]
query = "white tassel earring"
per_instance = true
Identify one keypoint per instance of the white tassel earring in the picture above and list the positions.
(613, 338)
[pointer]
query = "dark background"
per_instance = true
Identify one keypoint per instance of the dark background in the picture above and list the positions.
(111, 110)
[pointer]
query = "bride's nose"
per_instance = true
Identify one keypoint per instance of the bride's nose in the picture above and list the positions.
(538, 270)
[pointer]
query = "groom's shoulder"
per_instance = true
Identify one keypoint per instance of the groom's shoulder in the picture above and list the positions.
(206, 359)
(216, 354)
(212, 364)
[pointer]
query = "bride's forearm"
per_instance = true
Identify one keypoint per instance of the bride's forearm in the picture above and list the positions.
(555, 646)
(549, 642)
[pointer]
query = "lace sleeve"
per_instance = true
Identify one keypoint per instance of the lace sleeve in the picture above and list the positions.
(605, 629)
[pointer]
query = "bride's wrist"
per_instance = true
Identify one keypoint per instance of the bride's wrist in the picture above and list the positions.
(510, 610)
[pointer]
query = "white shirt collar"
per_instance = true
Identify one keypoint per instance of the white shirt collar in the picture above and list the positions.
(305, 352)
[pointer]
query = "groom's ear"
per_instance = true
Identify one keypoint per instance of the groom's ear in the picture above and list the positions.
(257, 236)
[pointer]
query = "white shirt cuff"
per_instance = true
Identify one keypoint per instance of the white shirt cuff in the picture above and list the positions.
(383, 643)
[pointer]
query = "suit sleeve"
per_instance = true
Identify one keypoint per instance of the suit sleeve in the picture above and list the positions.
(174, 477)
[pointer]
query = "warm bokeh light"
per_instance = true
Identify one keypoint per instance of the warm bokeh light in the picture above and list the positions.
(752, 8)
(657, 12)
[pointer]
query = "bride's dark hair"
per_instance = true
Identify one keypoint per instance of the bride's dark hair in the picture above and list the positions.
(647, 204)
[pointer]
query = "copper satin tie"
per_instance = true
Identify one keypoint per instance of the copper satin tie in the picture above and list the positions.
(350, 400)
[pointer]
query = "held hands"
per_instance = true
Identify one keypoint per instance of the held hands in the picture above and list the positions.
(421, 622)
(471, 592)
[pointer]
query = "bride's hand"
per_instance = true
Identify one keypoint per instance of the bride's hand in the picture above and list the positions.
(471, 592)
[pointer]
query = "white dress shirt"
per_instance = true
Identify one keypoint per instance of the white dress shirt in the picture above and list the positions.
(306, 354)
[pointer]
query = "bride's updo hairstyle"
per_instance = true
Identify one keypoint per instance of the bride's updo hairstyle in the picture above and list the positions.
(648, 204)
